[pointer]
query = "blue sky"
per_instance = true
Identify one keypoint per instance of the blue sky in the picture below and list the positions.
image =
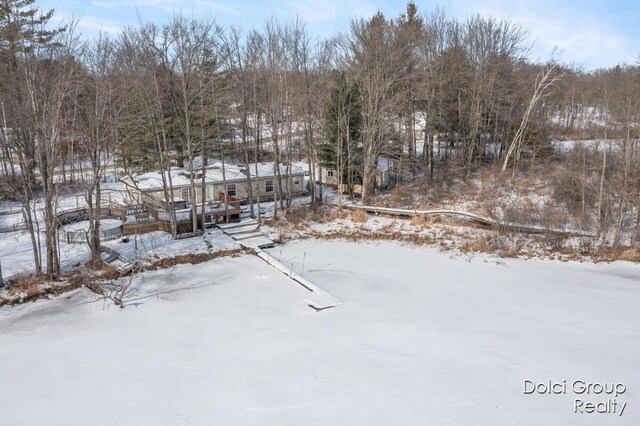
(595, 33)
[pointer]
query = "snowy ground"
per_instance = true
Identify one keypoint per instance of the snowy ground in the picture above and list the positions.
(84, 225)
(423, 338)
(563, 146)
(16, 254)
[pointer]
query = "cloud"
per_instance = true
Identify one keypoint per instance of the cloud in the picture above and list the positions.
(89, 22)
(107, 4)
(587, 32)
(166, 5)
(99, 24)
(313, 10)
(218, 7)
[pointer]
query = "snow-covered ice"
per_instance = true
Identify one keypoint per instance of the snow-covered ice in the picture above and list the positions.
(423, 337)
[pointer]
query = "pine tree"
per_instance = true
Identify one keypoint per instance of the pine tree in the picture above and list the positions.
(22, 29)
(344, 128)
(23, 36)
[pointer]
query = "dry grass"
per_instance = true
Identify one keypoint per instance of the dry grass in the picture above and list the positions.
(360, 234)
(359, 216)
(481, 244)
(28, 288)
(610, 254)
(631, 254)
(282, 235)
(31, 287)
(306, 213)
(424, 222)
(82, 277)
(192, 259)
(27, 285)
(297, 215)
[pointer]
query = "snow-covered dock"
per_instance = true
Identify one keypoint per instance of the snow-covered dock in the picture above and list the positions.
(318, 300)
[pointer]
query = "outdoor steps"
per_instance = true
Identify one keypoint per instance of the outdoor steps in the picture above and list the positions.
(246, 236)
(115, 259)
(242, 230)
(242, 223)
(246, 232)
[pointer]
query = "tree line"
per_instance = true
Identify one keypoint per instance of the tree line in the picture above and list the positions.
(433, 94)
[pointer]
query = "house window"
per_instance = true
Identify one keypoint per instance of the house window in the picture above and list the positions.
(268, 185)
(329, 173)
(185, 194)
(231, 189)
(296, 180)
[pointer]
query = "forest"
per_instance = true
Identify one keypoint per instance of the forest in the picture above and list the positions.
(448, 101)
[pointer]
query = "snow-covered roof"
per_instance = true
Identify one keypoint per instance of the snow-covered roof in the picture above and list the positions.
(214, 174)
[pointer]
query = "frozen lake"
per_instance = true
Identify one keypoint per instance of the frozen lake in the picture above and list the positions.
(423, 337)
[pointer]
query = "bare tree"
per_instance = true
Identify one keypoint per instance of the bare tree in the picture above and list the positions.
(544, 85)
(379, 61)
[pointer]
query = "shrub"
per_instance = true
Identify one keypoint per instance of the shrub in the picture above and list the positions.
(359, 216)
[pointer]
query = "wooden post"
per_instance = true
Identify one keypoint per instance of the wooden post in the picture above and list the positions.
(1, 279)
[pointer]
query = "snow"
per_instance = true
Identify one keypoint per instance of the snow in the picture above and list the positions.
(16, 254)
(84, 225)
(320, 299)
(423, 337)
(563, 146)
(158, 244)
(214, 174)
(585, 116)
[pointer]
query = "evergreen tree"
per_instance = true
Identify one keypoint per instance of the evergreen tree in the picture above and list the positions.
(343, 128)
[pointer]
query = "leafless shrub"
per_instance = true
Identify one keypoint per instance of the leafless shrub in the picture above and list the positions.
(282, 235)
(297, 215)
(553, 241)
(359, 216)
(26, 286)
(585, 245)
(481, 244)
(31, 287)
(631, 254)
(421, 221)
(401, 196)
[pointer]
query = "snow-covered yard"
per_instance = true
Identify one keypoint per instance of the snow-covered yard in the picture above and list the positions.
(423, 337)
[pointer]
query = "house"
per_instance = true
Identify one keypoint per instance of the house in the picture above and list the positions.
(232, 180)
(383, 175)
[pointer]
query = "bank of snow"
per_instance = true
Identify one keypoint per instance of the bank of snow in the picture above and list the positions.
(423, 338)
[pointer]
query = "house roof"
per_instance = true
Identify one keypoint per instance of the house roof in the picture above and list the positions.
(214, 174)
